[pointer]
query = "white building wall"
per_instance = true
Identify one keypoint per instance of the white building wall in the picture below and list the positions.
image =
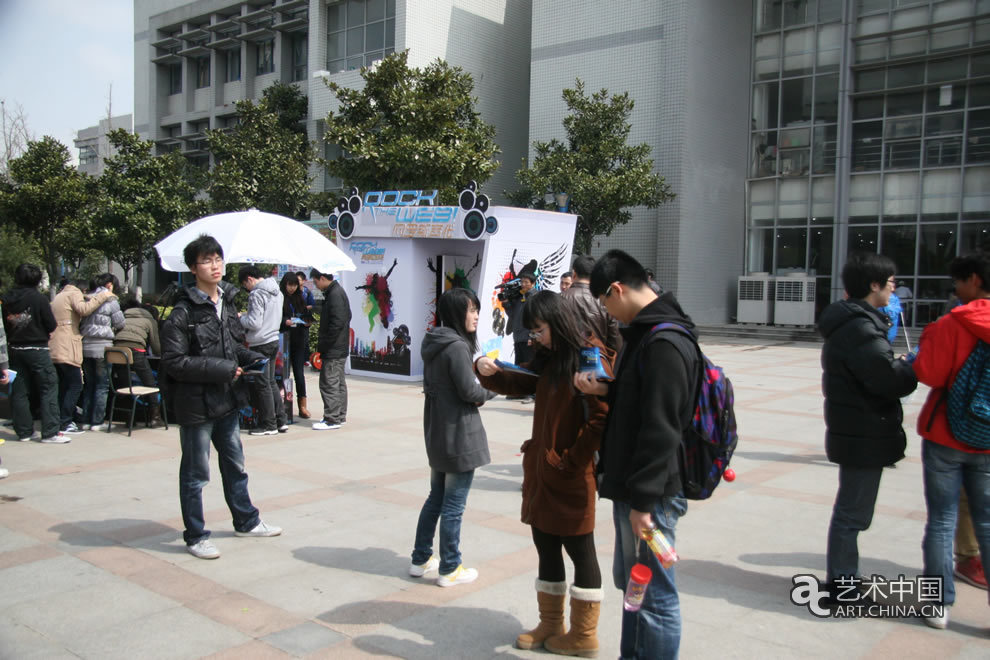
(669, 56)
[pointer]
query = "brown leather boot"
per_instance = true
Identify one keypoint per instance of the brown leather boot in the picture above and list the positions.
(303, 412)
(582, 640)
(550, 599)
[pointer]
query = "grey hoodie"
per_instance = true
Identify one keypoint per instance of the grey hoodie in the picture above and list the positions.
(264, 313)
(455, 437)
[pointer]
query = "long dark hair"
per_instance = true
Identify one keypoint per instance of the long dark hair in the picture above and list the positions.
(452, 309)
(295, 299)
(562, 359)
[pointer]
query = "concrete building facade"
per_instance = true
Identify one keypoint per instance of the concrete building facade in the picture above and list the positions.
(193, 60)
(93, 145)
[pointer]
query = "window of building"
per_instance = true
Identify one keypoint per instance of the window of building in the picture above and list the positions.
(175, 78)
(87, 155)
(359, 32)
(300, 56)
(265, 57)
(202, 72)
(233, 61)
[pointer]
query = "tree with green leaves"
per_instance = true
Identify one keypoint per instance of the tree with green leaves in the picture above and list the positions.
(410, 128)
(602, 175)
(44, 198)
(263, 162)
(141, 199)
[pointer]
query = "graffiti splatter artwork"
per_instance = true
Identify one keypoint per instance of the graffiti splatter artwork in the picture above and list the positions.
(378, 298)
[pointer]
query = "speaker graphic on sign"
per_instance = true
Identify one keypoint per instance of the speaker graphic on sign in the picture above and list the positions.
(475, 224)
(342, 220)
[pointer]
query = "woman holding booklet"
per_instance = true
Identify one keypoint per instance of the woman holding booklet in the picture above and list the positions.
(558, 499)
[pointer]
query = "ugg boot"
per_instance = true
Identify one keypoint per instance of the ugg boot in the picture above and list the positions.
(303, 412)
(550, 599)
(582, 640)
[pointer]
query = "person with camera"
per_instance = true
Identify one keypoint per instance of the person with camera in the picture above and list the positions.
(514, 300)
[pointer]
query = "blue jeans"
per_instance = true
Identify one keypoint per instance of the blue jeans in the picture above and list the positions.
(69, 388)
(95, 387)
(947, 470)
(655, 630)
(852, 513)
(448, 495)
(194, 473)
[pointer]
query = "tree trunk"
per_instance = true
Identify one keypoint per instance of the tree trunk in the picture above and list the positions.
(138, 276)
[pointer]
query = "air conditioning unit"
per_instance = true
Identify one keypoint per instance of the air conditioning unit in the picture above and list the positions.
(754, 298)
(794, 300)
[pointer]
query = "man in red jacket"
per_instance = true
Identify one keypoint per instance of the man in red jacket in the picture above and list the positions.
(949, 464)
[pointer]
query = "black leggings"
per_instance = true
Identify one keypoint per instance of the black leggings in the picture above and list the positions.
(581, 550)
(298, 354)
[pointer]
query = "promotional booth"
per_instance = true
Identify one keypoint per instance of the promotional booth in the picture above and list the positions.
(408, 251)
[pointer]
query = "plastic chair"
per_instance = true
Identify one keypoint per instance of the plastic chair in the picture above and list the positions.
(121, 355)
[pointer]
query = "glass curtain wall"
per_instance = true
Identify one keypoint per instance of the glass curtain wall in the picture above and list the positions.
(918, 182)
(794, 133)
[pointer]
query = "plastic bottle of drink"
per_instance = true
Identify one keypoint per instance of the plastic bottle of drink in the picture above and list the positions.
(660, 546)
(639, 580)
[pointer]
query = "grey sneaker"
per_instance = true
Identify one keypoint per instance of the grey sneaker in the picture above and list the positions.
(284, 428)
(72, 429)
(263, 432)
(325, 425)
(34, 436)
(85, 427)
(261, 529)
(204, 549)
(57, 439)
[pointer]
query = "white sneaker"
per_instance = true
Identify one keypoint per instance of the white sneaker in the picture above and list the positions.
(57, 439)
(939, 622)
(460, 576)
(4, 472)
(36, 435)
(204, 549)
(85, 427)
(324, 425)
(284, 428)
(102, 428)
(72, 429)
(263, 432)
(261, 529)
(419, 570)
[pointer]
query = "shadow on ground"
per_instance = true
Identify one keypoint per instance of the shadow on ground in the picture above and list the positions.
(438, 632)
(373, 561)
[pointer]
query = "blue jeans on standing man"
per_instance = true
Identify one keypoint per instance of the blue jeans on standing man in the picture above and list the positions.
(448, 496)
(654, 631)
(194, 473)
(946, 471)
(96, 385)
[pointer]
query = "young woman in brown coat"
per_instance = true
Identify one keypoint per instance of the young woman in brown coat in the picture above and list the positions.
(559, 495)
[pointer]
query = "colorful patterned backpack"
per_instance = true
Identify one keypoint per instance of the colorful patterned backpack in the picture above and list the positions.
(708, 442)
(969, 400)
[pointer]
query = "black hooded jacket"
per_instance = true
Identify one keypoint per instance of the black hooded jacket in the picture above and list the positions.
(201, 354)
(862, 383)
(334, 339)
(27, 317)
(650, 404)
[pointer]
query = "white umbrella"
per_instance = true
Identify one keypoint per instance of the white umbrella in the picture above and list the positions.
(256, 237)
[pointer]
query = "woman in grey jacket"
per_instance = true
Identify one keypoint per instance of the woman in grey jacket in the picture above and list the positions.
(97, 331)
(456, 443)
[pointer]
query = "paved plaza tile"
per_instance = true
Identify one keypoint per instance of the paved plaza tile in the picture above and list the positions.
(92, 563)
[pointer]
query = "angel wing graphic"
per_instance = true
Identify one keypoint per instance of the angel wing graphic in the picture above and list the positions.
(549, 268)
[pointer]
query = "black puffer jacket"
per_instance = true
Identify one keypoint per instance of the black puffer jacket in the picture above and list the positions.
(335, 323)
(862, 383)
(200, 355)
(650, 403)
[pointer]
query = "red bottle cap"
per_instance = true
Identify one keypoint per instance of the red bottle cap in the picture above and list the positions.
(641, 573)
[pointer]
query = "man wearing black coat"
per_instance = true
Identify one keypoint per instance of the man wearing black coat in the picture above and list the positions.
(203, 353)
(862, 383)
(650, 403)
(333, 345)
